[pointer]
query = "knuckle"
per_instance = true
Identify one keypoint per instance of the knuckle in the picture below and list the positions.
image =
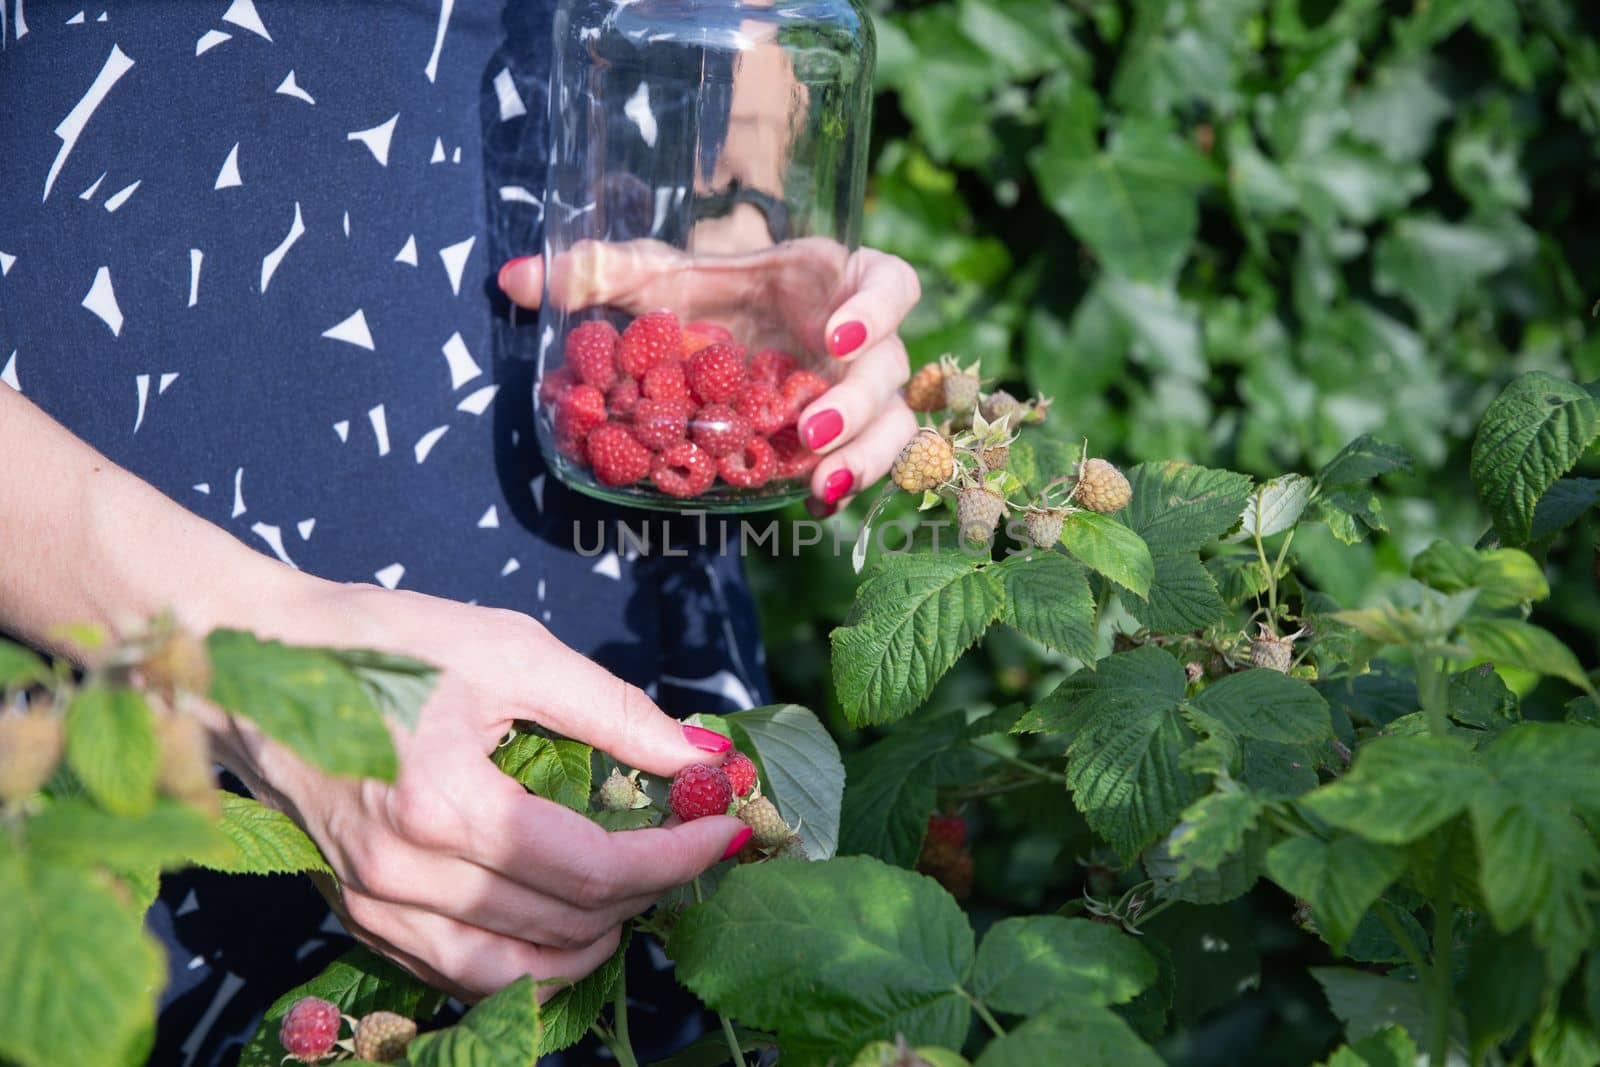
(596, 884)
(425, 818)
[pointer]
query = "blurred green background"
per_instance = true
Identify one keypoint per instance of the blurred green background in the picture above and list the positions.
(1237, 232)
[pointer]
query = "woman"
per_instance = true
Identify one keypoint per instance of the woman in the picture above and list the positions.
(252, 313)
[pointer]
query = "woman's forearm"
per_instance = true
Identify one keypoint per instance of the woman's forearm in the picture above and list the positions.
(84, 541)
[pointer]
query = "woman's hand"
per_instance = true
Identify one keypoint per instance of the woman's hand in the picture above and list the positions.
(848, 304)
(454, 870)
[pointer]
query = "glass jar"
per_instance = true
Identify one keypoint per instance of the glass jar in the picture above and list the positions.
(707, 166)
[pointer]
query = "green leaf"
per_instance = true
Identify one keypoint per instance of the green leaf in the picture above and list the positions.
(500, 1031)
(1400, 788)
(1502, 987)
(1432, 264)
(398, 685)
(19, 667)
(1213, 829)
(1274, 507)
(166, 837)
(1362, 460)
(1532, 434)
(800, 769)
(891, 791)
(1389, 1047)
(1128, 736)
(1193, 884)
(1534, 860)
(262, 841)
(1504, 577)
(1478, 697)
(1369, 1003)
(70, 952)
(1028, 37)
(1183, 597)
(359, 982)
(556, 769)
(1564, 503)
(880, 1053)
(1134, 203)
(1514, 643)
(1560, 1040)
(1340, 879)
(1047, 597)
(913, 617)
(565, 1018)
(1165, 330)
(1026, 964)
(304, 698)
(1179, 507)
(1551, 763)
(112, 748)
(1095, 1036)
(1267, 705)
(1107, 547)
(852, 951)
(1399, 108)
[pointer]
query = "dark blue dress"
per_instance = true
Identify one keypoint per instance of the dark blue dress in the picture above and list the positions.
(248, 250)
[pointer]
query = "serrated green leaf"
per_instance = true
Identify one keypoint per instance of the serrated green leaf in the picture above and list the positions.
(1134, 203)
(912, 619)
(1107, 547)
(1095, 1036)
(263, 841)
(1340, 879)
(70, 951)
(1432, 264)
(1389, 1047)
(1025, 964)
(1183, 597)
(1534, 862)
(112, 748)
(1560, 1040)
(565, 1018)
(1128, 737)
(1504, 577)
(1274, 507)
(1532, 434)
(1564, 503)
(554, 768)
(20, 667)
(359, 982)
(166, 837)
(1213, 829)
(800, 769)
(1400, 788)
(1501, 990)
(499, 1031)
(1478, 697)
(1369, 1003)
(1179, 507)
(890, 792)
(1165, 329)
(1193, 884)
(1047, 597)
(1268, 706)
(398, 685)
(1362, 460)
(1514, 643)
(305, 699)
(853, 951)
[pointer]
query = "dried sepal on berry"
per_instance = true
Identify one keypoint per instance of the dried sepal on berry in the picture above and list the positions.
(961, 387)
(621, 792)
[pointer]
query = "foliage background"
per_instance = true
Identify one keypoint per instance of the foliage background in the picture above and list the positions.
(1239, 232)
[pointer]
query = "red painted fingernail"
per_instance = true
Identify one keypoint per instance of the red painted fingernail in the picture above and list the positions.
(508, 265)
(847, 338)
(737, 843)
(821, 428)
(706, 740)
(820, 509)
(837, 485)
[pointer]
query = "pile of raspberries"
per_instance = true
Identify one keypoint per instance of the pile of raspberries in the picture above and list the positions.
(677, 406)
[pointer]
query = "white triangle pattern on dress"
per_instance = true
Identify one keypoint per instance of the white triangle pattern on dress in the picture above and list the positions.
(377, 138)
(228, 176)
(352, 331)
(243, 14)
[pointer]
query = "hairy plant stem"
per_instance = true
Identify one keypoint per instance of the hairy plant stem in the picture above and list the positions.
(1443, 935)
(619, 1020)
(727, 1026)
(1430, 690)
(983, 1012)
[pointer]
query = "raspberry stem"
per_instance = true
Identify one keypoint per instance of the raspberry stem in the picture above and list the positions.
(727, 1026)
(623, 1049)
(983, 1011)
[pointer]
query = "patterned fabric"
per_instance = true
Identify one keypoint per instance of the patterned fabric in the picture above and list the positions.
(248, 250)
